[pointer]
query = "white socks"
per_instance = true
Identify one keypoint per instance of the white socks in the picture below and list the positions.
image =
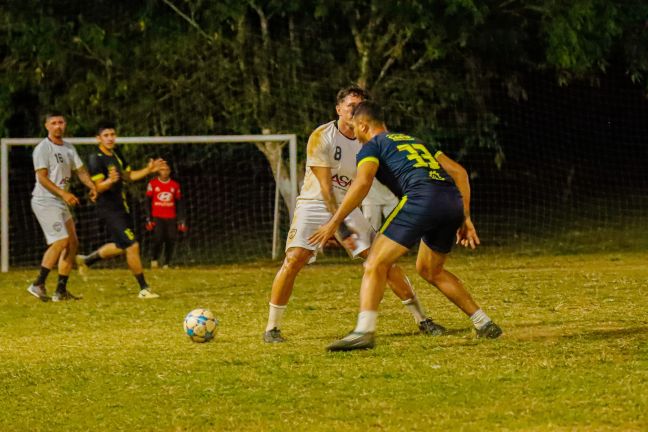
(366, 322)
(274, 315)
(479, 319)
(415, 308)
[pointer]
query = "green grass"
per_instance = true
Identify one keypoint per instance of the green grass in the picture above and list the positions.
(574, 355)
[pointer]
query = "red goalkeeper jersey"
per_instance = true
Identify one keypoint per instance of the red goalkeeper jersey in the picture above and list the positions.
(163, 196)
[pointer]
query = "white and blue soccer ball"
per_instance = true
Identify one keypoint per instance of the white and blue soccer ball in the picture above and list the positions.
(200, 325)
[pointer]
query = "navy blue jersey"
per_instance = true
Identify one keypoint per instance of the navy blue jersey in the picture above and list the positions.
(406, 165)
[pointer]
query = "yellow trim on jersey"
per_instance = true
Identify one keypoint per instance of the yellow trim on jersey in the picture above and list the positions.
(368, 159)
(436, 155)
(393, 214)
(97, 177)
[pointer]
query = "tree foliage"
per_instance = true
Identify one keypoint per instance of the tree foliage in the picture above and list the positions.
(197, 67)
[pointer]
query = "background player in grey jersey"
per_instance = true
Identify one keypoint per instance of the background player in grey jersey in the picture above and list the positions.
(54, 162)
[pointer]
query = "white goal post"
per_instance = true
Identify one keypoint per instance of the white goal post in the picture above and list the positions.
(291, 139)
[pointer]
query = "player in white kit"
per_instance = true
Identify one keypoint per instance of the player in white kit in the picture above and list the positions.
(54, 162)
(330, 169)
(378, 204)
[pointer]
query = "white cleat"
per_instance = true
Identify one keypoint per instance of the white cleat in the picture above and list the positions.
(39, 292)
(147, 294)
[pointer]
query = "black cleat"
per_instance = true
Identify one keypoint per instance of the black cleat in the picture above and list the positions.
(39, 292)
(489, 331)
(353, 341)
(64, 296)
(273, 336)
(429, 327)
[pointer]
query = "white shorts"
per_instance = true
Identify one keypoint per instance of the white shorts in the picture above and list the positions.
(376, 214)
(310, 215)
(52, 215)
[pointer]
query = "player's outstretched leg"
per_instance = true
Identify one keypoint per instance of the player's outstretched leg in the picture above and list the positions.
(384, 252)
(282, 287)
(107, 251)
(429, 265)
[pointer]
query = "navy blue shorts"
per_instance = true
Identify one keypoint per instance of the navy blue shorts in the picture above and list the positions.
(119, 226)
(433, 218)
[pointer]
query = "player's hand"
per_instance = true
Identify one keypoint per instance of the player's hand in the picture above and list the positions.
(182, 227)
(323, 233)
(93, 194)
(155, 165)
(70, 199)
(150, 225)
(113, 174)
(467, 235)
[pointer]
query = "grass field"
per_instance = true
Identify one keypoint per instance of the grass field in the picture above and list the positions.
(574, 355)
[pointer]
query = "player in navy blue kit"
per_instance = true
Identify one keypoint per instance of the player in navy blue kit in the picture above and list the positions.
(434, 209)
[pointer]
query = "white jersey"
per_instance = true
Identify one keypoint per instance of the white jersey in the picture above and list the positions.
(379, 194)
(60, 161)
(328, 147)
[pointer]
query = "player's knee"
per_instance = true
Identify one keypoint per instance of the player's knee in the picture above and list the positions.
(374, 266)
(61, 243)
(133, 247)
(294, 261)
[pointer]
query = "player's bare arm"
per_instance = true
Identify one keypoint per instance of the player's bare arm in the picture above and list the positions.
(43, 179)
(153, 166)
(467, 234)
(84, 177)
(102, 185)
(323, 176)
(353, 198)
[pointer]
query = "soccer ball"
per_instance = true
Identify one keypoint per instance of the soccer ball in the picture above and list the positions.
(200, 325)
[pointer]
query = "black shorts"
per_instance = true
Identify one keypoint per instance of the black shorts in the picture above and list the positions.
(166, 229)
(433, 218)
(119, 226)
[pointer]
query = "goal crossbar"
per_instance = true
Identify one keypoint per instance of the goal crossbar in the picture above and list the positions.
(6, 143)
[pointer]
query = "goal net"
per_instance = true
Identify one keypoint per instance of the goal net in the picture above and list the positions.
(236, 210)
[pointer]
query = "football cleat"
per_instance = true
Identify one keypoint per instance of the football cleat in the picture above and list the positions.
(39, 292)
(353, 341)
(82, 267)
(147, 294)
(429, 327)
(65, 295)
(273, 336)
(489, 331)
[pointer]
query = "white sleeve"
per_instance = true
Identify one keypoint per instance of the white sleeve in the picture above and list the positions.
(318, 150)
(76, 160)
(40, 157)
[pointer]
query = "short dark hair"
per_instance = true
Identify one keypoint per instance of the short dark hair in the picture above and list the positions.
(103, 125)
(53, 113)
(353, 89)
(371, 111)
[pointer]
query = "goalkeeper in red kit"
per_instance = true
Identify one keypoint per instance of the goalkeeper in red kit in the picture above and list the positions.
(165, 215)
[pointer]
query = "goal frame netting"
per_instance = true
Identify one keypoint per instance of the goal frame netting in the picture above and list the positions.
(290, 139)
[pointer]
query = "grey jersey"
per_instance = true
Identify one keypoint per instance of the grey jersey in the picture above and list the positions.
(60, 161)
